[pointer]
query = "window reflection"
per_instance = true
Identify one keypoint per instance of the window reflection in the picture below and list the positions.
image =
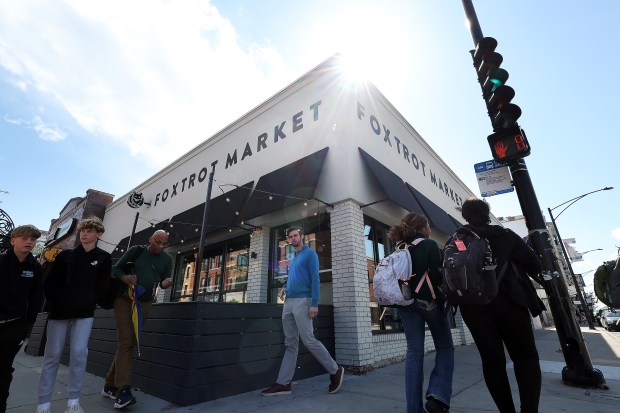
(377, 245)
(317, 236)
(223, 276)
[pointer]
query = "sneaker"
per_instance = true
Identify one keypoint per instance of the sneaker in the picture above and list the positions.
(335, 380)
(435, 406)
(43, 410)
(124, 398)
(277, 390)
(109, 391)
(76, 408)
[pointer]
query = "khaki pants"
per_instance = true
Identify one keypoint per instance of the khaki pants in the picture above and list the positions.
(120, 372)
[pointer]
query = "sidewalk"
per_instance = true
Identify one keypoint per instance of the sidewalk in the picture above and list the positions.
(380, 391)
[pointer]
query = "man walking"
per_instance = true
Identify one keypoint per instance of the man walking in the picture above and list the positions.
(151, 266)
(71, 290)
(20, 298)
(300, 307)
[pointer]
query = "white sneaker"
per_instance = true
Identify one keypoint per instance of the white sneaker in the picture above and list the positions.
(76, 408)
(41, 410)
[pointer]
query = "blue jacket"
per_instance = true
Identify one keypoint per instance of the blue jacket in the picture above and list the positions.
(303, 276)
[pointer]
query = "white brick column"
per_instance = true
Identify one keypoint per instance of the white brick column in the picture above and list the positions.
(352, 325)
(258, 273)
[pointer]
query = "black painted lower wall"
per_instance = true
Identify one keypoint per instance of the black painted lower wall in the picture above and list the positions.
(194, 352)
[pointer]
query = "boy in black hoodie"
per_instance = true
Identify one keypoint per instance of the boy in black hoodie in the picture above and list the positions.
(20, 298)
(71, 289)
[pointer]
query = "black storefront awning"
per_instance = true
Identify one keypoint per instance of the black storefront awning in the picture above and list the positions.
(393, 186)
(438, 217)
(224, 212)
(139, 238)
(286, 186)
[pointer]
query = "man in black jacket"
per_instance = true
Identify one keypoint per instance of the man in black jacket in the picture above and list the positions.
(71, 289)
(20, 298)
(506, 320)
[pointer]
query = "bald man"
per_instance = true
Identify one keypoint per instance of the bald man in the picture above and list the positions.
(145, 266)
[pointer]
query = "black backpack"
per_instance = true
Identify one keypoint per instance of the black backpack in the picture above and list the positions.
(469, 276)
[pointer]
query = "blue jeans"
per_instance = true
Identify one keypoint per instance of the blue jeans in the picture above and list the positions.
(413, 319)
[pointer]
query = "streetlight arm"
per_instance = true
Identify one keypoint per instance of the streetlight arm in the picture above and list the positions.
(577, 198)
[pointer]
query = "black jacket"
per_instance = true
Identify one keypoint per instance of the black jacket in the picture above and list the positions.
(20, 287)
(425, 257)
(72, 285)
(508, 246)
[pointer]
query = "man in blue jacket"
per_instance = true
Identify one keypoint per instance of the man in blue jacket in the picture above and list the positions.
(300, 307)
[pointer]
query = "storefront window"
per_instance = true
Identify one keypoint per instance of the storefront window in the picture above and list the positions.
(223, 273)
(316, 236)
(377, 246)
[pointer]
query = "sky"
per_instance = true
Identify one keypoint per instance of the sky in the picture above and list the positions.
(103, 95)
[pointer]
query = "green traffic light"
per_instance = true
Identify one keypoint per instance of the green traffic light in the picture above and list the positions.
(498, 77)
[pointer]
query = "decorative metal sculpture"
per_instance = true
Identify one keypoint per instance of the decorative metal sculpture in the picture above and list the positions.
(6, 226)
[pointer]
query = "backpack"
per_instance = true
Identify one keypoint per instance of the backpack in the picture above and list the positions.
(469, 276)
(388, 283)
(607, 283)
(111, 286)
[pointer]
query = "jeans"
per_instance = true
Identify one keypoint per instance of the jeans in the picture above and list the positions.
(79, 329)
(413, 319)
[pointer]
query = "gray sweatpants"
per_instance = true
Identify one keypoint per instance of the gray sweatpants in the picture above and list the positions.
(79, 329)
(296, 323)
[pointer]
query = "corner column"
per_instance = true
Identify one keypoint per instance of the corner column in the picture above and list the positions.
(352, 324)
(258, 273)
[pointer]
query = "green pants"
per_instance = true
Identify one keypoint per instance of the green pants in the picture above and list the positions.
(120, 372)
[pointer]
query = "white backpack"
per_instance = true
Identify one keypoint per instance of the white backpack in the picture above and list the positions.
(385, 283)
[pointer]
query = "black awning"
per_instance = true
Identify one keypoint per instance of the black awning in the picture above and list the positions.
(456, 221)
(286, 186)
(139, 238)
(393, 186)
(224, 211)
(438, 217)
(122, 245)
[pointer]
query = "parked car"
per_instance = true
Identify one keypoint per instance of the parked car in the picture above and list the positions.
(611, 320)
(598, 314)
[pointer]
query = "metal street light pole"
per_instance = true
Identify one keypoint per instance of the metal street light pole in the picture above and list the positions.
(596, 249)
(578, 369)
(572, 274)
(568, 261)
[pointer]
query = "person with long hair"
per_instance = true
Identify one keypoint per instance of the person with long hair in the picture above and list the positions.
(505, 321)
(427, 309)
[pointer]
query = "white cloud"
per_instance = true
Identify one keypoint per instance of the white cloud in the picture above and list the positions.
(157, 76)
(48, 133)
(615, 233)
(45, 131)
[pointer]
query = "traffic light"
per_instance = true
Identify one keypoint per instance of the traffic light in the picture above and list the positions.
(492, 79)
(509, 144)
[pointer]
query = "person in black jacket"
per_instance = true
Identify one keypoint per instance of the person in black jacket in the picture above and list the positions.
(71, 289)
(20, 299)
(505, 320)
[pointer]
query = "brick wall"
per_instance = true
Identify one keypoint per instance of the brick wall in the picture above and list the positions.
(354, 341)
(258, 273)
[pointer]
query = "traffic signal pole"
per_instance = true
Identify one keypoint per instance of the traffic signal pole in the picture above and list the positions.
(578, 369)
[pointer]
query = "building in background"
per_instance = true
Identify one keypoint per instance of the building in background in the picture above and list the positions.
(62, 233)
